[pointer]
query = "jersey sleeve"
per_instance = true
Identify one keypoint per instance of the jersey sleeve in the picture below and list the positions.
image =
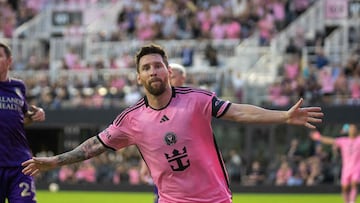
(21, 91)
(339, 142)
(219, 107)
(116, 135)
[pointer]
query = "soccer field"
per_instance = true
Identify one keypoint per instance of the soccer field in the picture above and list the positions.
(111, 197)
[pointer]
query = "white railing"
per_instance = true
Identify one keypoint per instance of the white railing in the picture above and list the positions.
(258, 68)
(97, 50)
(336, 45)
(25, 50)
(38, 27)
(91, 52)
(95, 17)
(311, 21)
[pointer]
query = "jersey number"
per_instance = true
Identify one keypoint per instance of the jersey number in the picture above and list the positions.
(27, 190)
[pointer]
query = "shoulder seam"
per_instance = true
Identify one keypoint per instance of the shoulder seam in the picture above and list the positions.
(121, 116)
(187, 90)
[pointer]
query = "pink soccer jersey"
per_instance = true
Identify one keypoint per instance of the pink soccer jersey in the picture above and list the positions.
(350, 154)
(178, 145)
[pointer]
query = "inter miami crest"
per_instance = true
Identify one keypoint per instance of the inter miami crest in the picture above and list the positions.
(178, 158)
(170, 138)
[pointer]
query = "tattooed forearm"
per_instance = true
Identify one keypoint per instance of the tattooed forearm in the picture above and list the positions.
(88, 149)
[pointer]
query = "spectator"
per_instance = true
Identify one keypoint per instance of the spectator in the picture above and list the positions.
(255, 175)
(211, 55)
(283, 174)
(232, 28)
(320, 59)
(341, 88)
(355, 89)
(266, 28)
(234, 165)
(104, 170)
(67, 174)
(276, 94)
(134, 175)
(315, 175)
(278, 8)
(187, 55)
(218, 30)
(294, 154)
(292, 48)
(120, 175)
(326, 81)
(86, 173)
(300, 175)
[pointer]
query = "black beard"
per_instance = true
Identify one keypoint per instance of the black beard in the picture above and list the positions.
(156, 91)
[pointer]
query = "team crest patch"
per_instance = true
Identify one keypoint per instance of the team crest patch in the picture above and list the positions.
(170, 138)
(19, 93)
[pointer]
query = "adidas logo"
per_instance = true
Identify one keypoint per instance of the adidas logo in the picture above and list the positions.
(164, 118)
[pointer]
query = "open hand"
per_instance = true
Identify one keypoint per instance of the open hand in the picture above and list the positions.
(36, 165)
(304, 116)
(36, 113)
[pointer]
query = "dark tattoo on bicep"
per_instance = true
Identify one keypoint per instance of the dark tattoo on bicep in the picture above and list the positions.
(88, 149)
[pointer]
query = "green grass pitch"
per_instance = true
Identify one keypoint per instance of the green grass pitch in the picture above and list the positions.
(110, 197)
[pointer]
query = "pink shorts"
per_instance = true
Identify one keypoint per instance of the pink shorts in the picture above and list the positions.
(347, 177)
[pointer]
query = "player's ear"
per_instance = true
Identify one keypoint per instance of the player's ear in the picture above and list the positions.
(10, 60)
(138, 79)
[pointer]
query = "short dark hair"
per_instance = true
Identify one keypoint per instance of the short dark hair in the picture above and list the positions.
(151, 49)
(6, 49)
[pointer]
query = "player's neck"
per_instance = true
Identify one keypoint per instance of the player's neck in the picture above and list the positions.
(160, 101)
(4, 77)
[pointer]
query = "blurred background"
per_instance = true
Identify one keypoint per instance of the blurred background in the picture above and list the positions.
(77, 60)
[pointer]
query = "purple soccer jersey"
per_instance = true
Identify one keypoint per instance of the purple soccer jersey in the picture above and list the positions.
(14, 147)
(178, 145)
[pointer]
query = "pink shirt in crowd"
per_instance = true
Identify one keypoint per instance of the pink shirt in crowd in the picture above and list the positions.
(355, 88)
(86, 172)
(278, 8)
(178, 145)
(233, 30)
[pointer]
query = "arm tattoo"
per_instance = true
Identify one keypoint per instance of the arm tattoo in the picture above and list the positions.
(88, 149)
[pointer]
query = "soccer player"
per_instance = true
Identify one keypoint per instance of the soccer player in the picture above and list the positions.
(350, 154)
(14, 148)
(177, 79)
(171, 126)
(178, 75)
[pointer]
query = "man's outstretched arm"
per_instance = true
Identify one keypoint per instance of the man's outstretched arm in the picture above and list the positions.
(306, 116)
(88, 149)
(316, 136)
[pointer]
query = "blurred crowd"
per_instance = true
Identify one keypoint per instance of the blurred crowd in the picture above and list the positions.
(300, 165)
(13, 14)
(322, 79)
(100, 84)
(197, 19)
